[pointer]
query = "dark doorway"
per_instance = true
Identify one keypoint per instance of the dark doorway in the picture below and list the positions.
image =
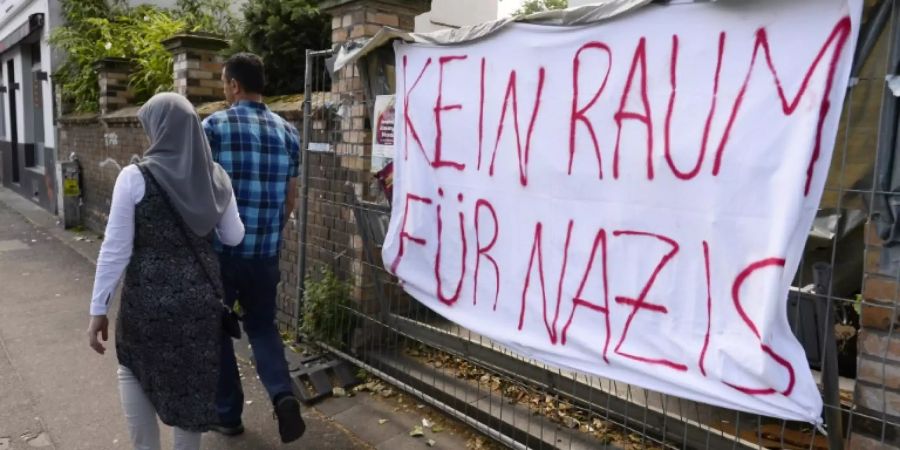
(13, 122)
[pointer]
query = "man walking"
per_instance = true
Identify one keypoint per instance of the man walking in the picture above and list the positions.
(261, 152)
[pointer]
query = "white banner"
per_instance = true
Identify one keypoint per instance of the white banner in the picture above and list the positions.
(629, 199)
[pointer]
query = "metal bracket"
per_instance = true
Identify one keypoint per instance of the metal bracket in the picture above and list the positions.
(316, 372)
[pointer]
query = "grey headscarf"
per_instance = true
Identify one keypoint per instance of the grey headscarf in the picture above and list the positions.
(181, 162)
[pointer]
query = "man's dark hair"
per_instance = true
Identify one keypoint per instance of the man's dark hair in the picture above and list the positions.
(248, 70)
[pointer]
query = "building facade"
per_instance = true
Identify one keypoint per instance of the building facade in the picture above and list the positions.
(27, 135)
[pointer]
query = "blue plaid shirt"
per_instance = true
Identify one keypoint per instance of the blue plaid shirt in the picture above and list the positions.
(261, 152)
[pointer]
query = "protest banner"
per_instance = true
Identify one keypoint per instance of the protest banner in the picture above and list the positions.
(629, 198)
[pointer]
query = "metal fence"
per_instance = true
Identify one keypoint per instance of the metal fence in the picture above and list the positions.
(522, 403)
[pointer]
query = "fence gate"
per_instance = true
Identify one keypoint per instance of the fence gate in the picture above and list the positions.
(523, 403)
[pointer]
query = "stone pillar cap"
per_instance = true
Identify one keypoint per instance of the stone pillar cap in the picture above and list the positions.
(415, 7)
(199, 41)
(120, 64)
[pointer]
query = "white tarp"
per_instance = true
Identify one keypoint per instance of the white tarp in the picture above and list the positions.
(629, 199)
(583, 15)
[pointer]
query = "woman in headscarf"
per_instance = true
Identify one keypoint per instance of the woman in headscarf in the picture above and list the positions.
(170, 323)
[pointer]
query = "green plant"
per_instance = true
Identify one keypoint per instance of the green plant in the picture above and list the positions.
(94, 31)
(280, 31)
(211, 16)
(326, 309)
(535, 6)
(146, 28)
(84, 41)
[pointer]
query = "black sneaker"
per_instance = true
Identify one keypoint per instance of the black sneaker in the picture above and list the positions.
(290, 423)
(228, 430)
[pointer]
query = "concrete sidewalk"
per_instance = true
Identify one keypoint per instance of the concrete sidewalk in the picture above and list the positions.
(56, 393)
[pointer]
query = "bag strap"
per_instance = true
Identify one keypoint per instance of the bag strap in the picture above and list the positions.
(186, 234)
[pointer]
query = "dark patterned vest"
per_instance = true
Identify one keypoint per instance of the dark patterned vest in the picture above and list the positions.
(169, 326)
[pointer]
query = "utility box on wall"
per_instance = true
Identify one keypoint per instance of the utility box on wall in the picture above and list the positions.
(70, 174)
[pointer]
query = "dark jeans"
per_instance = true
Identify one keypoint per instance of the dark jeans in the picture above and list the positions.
(253, 283)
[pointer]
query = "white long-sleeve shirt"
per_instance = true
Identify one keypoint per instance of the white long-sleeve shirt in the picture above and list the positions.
(118, 243)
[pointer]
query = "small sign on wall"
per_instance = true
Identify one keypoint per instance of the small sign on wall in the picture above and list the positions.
(383, 132)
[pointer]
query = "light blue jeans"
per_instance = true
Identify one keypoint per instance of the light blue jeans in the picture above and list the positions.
(141, 417)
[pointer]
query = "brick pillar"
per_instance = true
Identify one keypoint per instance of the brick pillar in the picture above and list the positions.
(112, 74)
(361, 19)
(877, 392)
(355, 20)
(197, 66)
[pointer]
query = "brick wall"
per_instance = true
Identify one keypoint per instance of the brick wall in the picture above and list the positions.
(103, 146)
(83, 136)
(877, 391)
(877, 394)
(337, 179)
(287, 292)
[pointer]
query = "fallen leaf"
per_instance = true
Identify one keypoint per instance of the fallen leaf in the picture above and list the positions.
(382, 421)
(427, 423)
(437, 428)
(28, 435)
(249, 402)
(417, 432)
(571, 422)
(431, 443)
(40, 441)
(843, 332)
